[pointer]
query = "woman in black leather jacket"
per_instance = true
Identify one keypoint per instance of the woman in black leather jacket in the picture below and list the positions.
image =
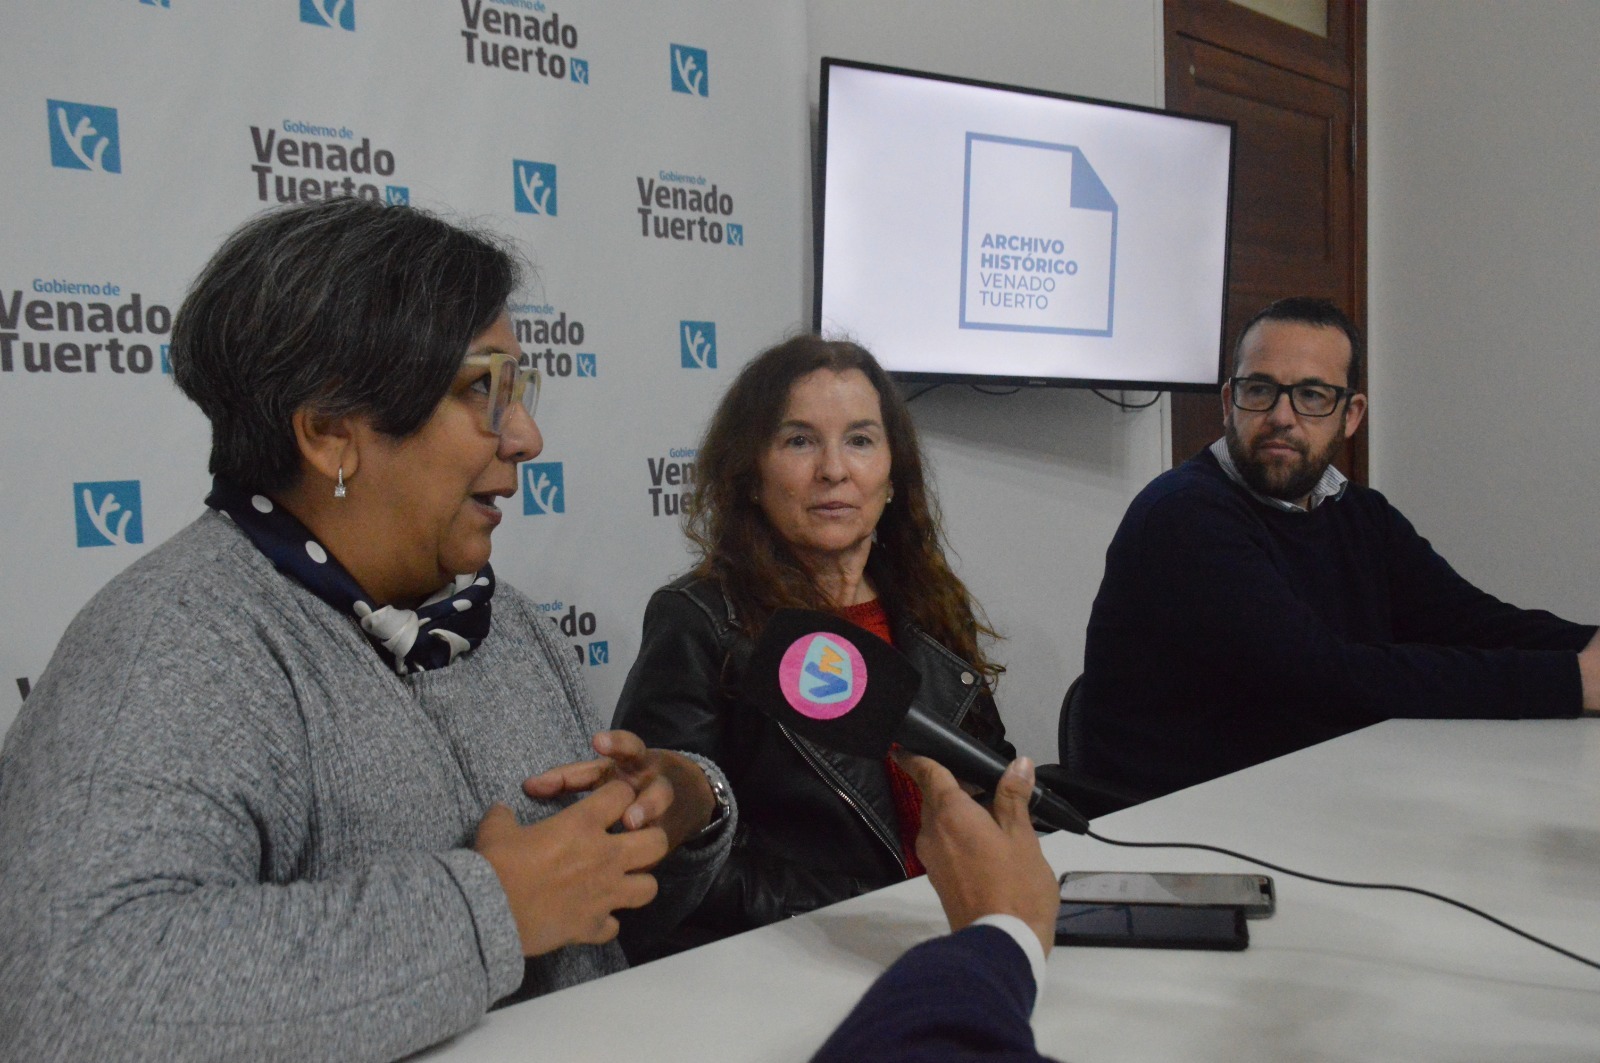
(809, 493)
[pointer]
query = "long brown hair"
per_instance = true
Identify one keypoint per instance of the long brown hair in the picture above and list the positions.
(739, 548)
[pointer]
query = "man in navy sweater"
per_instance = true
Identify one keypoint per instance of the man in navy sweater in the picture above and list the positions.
(1255, 602)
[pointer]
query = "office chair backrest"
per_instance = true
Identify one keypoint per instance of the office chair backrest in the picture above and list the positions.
(1069, 727)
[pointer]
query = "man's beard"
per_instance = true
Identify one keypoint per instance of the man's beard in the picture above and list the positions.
(1287, 482)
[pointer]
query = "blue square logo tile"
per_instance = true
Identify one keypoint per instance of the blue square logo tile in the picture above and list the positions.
(543, 488)
(335, 14)
(84, 137)
(690, 71)
(697, 344)
(108, 512)
(535, 189)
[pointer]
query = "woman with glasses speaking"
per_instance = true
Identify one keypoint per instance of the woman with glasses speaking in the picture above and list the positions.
(305, 781)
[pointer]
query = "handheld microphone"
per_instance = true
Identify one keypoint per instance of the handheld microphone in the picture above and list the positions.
(845, 689)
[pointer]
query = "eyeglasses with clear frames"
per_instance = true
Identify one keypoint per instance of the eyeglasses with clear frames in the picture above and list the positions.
(1308, 400)
(508, 383)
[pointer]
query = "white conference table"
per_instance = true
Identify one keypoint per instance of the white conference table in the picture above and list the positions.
(1502, 815)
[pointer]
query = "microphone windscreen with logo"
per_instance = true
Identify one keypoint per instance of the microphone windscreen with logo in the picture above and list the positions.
(847, 690)
(830, 681)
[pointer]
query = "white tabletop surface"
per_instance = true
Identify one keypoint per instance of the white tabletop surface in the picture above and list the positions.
(1502, 815)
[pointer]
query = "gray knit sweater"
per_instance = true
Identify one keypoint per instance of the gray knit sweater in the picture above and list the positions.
(229, 830)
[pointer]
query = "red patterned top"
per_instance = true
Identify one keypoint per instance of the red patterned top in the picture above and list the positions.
(907, 798)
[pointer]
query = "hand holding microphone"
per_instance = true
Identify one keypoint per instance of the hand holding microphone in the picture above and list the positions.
(983, 863)
(845, 689)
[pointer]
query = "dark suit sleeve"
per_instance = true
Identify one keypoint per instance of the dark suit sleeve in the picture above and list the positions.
(965, 996)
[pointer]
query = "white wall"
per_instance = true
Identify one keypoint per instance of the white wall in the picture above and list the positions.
(1033, 484)
(1484, 208)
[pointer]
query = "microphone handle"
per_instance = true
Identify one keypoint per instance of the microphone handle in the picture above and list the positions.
(971, 761)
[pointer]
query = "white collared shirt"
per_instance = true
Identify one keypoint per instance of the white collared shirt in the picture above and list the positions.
(1330, 486)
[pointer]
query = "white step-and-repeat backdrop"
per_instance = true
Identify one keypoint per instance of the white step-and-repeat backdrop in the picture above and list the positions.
(650, 160)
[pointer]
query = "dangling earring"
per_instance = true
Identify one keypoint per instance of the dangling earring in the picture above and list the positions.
(890, 497)
(338, 488)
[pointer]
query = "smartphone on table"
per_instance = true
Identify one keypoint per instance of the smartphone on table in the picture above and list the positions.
(1151, 926)
(1251, 894)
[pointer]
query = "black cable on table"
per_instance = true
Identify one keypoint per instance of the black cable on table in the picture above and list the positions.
(1351, 885)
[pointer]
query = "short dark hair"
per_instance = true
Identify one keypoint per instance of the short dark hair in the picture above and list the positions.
(1306, 310)
(347, 306)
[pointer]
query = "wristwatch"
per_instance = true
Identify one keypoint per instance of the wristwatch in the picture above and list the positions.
(722, 802)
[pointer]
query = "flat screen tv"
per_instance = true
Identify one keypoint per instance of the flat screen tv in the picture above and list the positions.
(986, 233)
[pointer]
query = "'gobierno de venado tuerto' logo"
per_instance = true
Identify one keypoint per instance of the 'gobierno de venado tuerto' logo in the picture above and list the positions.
(685, 207)
(578, 624)
(300, 162)
(671, 481)
(67, 328)
(1038, 239)
(540, 325)
(522, 37)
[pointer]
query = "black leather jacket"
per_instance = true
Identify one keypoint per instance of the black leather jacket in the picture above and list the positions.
(815, 826)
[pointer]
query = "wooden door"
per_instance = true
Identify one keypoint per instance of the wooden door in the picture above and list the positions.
(1299, 203)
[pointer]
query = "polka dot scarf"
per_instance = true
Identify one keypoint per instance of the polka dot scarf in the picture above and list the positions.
(450, 623)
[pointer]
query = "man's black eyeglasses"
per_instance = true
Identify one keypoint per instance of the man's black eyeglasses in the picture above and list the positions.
(1308, 400)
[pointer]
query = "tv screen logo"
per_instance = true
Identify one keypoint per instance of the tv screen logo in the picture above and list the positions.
(691, 73)
(543, 488)
(339, 14)
(697, 344)
(1038, 240)
(83, 137)
(535, 187)
(108, 512)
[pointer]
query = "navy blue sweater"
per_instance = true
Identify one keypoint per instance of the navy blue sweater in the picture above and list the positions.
(1227, 632)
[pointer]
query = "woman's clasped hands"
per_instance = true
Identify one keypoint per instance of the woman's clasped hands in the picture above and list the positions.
(567, 875)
